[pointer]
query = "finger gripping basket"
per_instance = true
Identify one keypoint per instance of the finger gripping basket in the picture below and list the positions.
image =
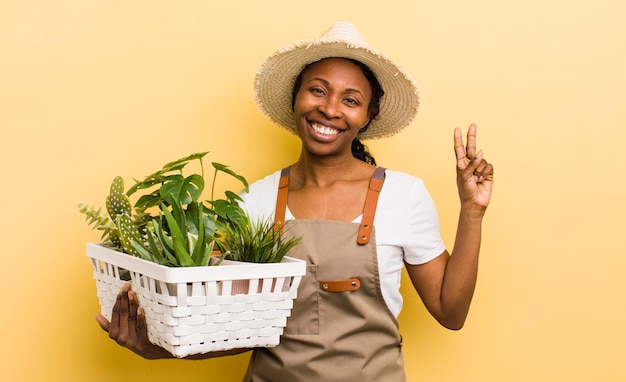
(194, 310)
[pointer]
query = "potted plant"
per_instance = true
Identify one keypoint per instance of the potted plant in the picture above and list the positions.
(168, 243)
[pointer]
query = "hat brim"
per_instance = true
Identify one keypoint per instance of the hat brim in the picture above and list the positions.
(276, 77)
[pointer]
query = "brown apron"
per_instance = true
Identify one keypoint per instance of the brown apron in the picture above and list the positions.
(340, 328)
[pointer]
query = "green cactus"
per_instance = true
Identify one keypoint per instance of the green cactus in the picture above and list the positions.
(117, 202)
(114, 238)
(128, 233)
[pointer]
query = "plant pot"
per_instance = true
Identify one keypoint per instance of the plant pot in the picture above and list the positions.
(241, 286)
(194, 310)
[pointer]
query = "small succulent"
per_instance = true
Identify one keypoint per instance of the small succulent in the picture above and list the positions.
(171, 226)
(257, 242)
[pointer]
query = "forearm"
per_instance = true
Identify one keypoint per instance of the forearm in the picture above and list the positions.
(462, 268)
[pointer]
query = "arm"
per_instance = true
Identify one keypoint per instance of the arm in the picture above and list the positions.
(128, 328)
(446, 284)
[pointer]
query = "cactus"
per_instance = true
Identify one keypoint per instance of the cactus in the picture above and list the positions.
(117, 202)
(128, 233)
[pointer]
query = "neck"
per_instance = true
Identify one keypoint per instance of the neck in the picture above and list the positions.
(324, 171)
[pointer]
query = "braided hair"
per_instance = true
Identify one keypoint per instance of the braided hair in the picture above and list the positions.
(359, 150)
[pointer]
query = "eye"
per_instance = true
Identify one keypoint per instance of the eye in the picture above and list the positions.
(317, 91)
(352, 101)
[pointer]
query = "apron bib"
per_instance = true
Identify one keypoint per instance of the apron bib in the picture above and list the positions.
(340, 329)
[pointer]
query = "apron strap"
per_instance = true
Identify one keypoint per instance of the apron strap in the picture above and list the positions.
(371, 200)
(281, 200)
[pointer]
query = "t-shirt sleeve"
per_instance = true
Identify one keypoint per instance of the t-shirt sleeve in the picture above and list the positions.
(260, 201)
(424, 241)
(406, 223)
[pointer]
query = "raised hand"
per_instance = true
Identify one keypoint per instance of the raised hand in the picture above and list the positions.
(474, 174)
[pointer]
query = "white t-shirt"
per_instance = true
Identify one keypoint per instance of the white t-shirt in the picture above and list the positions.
(406, 226)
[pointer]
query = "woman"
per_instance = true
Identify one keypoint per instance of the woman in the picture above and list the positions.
(360, 223)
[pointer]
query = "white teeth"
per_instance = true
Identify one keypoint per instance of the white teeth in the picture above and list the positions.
(324, 129)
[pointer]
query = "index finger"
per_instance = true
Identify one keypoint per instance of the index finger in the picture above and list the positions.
(459, 149)
(471, 141)
(119, 315)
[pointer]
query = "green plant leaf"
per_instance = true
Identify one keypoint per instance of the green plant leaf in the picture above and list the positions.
(143, 253)
(98, 221)
(233, 197)
(227, 170)
(154, 249)
(200, 245)
(166, 242)
(183, 190)
(229, 211)
(143, 184)
(148, 200)
(159, 177)
(192, 214)
(179, 240)
(257, 242)
(180, 216)
(182, 161)
(209, 225)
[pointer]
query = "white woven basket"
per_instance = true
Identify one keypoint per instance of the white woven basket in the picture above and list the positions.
(192, 310)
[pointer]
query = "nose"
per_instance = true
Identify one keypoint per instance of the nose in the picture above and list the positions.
(330, 107)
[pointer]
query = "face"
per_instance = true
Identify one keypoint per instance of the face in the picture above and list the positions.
(331, 106)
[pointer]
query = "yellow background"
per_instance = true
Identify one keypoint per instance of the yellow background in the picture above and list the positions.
(94, 89)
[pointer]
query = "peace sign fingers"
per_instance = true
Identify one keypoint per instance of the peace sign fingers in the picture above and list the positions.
(474, 173)
(464, 154)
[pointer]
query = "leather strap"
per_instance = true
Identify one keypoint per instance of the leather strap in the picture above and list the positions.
(371, 200)
(281, 200)
(369, 209)
(340, 285)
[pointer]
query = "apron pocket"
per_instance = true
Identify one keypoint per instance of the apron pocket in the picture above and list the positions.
(305, 315)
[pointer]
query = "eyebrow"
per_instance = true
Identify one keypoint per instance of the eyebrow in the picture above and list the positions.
(349, 90)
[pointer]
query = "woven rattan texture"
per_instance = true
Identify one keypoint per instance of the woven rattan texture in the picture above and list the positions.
(203, 316)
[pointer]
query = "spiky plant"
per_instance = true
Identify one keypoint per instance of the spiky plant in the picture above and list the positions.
(257, 242)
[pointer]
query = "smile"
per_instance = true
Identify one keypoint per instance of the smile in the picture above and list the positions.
(324, 130)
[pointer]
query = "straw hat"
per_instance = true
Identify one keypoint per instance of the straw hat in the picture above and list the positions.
(276, 77)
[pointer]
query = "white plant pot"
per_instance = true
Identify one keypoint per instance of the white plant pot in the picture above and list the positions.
(193, 310)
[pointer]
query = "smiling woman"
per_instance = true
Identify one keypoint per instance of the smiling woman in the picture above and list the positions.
(331, 106)
(360, 224)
